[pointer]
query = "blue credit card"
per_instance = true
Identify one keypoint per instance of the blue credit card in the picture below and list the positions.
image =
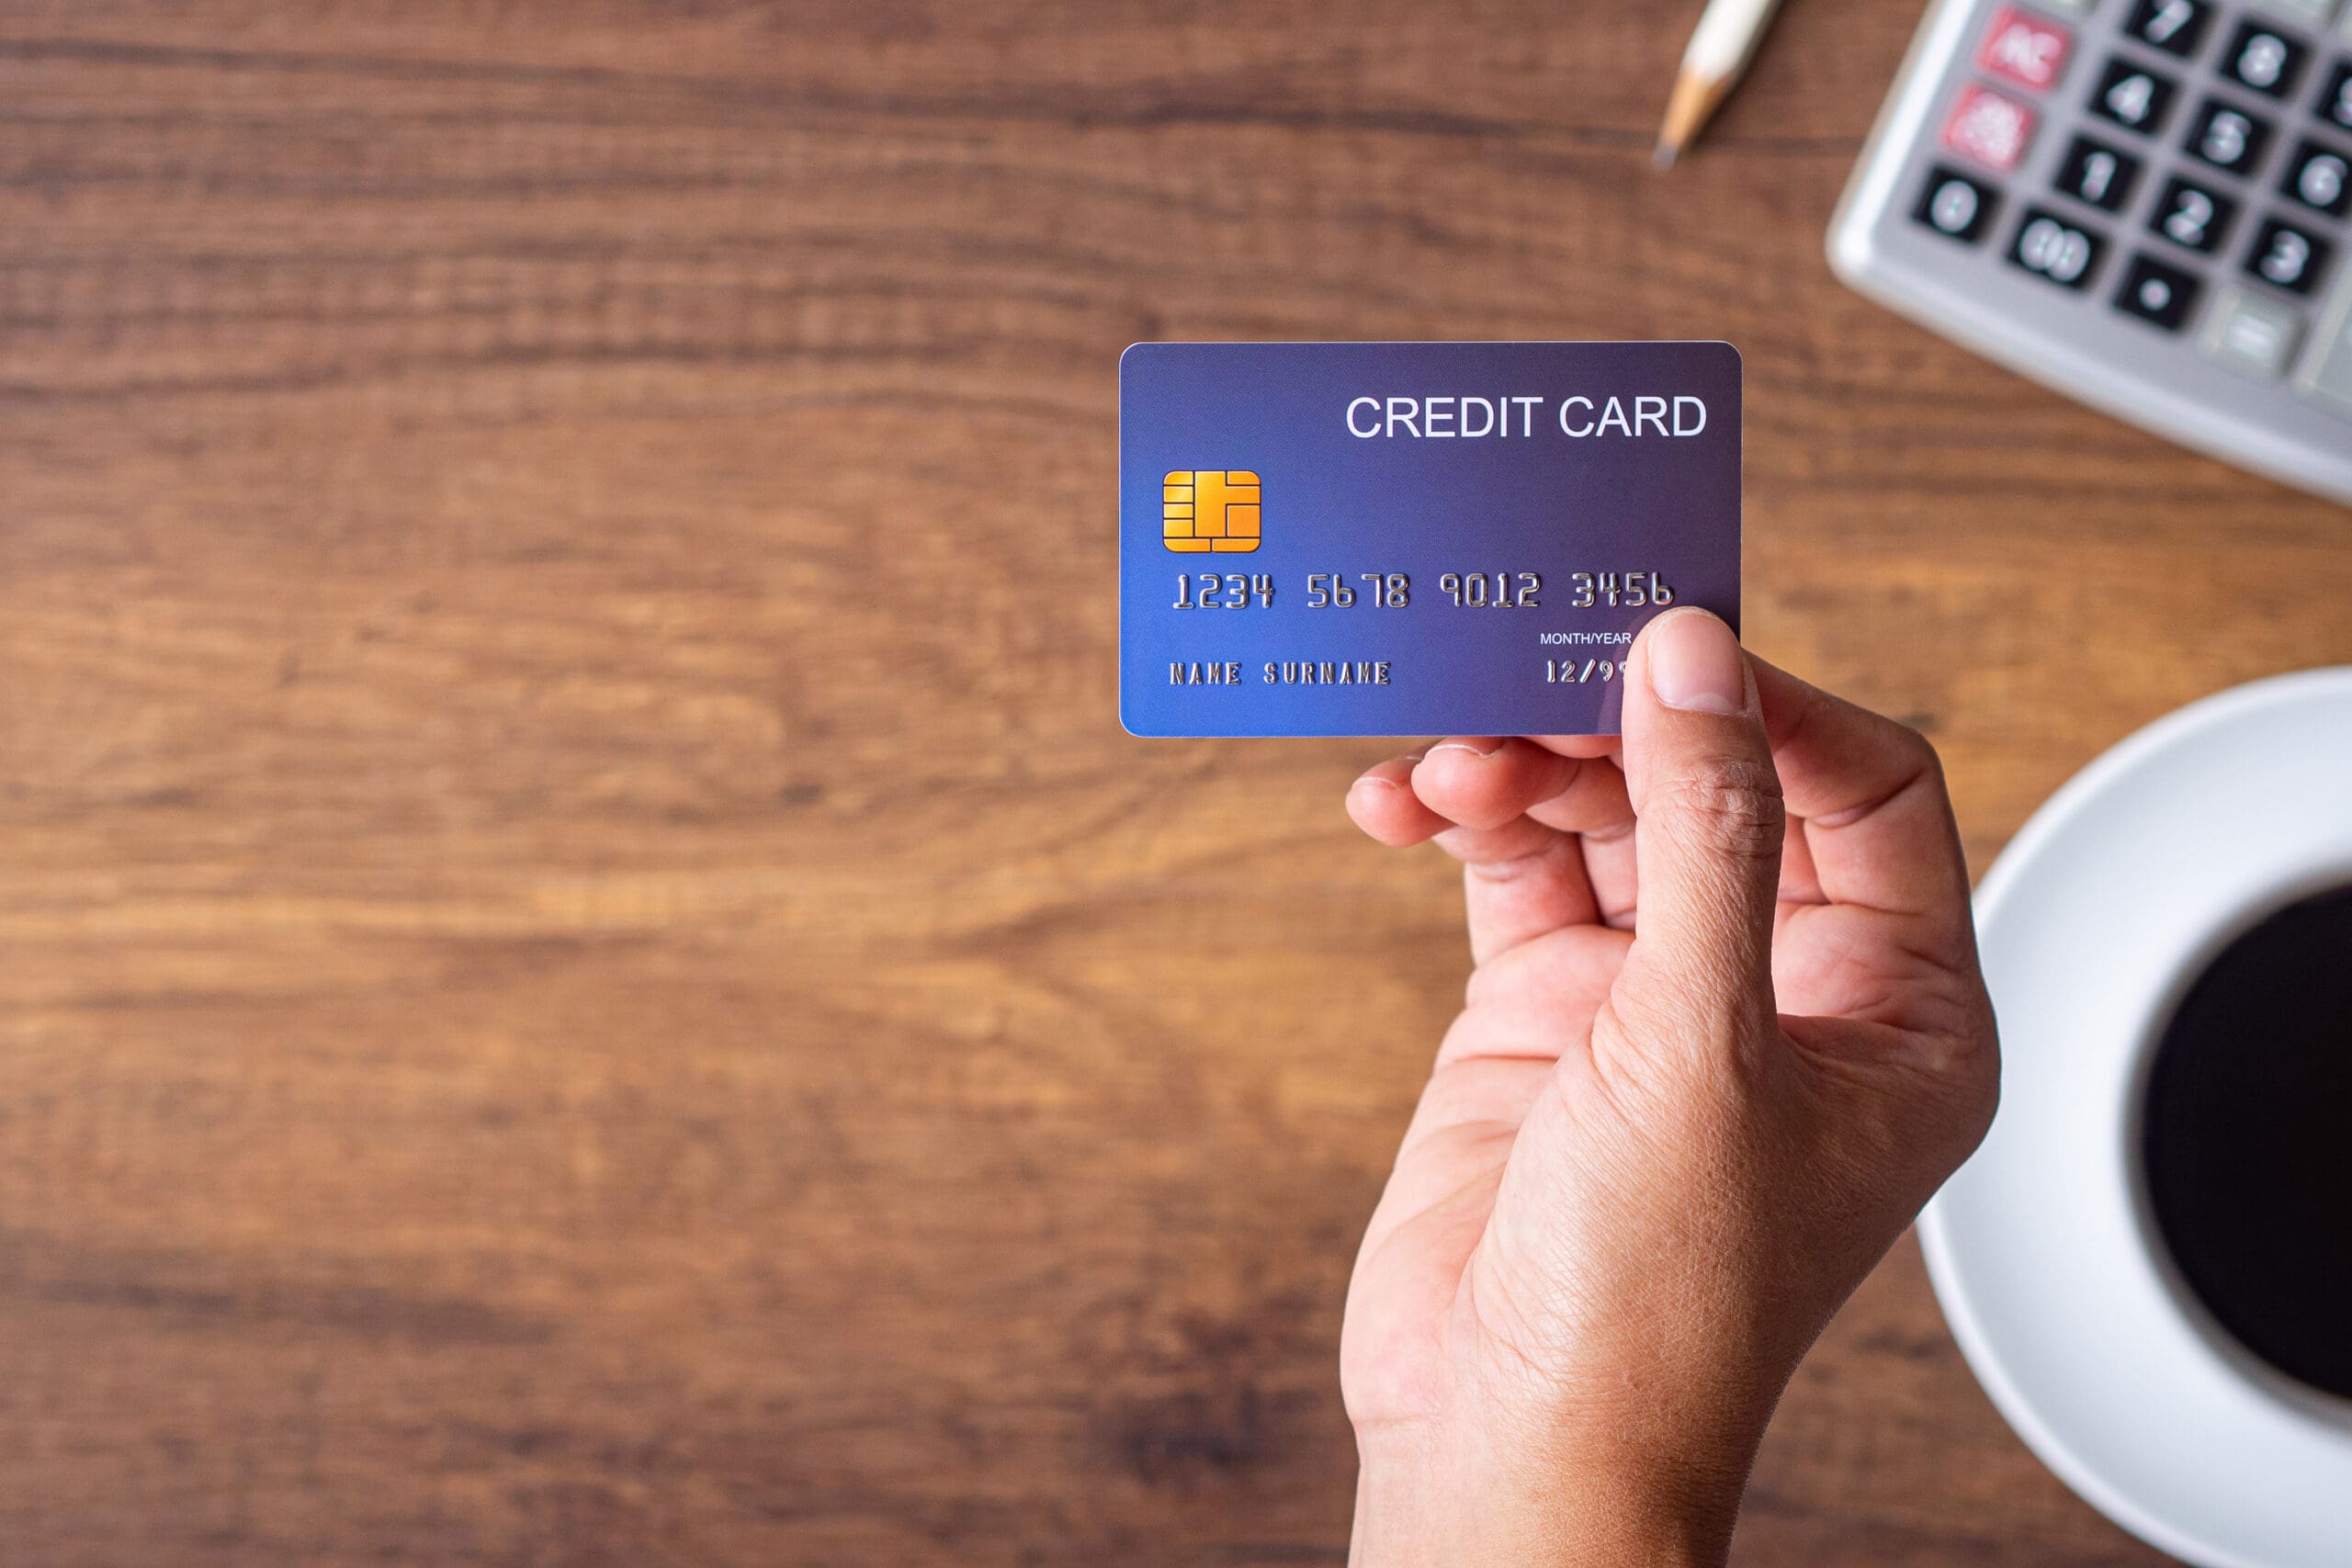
(1414, 538)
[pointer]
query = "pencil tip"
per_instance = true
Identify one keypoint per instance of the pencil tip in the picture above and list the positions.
(1663, 159)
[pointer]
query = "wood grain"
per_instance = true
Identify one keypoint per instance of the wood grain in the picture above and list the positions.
(586, 975)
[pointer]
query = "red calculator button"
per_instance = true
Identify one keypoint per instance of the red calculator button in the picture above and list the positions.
(1989, 128)
(2025, 49)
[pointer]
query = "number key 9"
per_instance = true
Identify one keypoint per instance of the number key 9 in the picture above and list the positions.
(2335, 104)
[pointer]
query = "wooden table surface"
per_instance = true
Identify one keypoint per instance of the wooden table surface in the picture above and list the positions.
(586, 973)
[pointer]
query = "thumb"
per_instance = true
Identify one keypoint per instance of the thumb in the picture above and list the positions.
(1708, 822)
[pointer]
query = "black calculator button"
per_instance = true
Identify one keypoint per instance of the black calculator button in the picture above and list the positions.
(2336, 99)
(2229, 139)
(2133, 97)
(2268, 62)
(1953, 204)
(2052, 247)
(2100, 174)
(2177, 26)
(2319, 178)
(2288, 257)
(2193, 216)
(2157, 292)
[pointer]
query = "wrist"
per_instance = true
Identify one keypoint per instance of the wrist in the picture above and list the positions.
(1426, 1495)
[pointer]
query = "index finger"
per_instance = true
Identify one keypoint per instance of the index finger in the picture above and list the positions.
(1582, 747)
(1868, 795)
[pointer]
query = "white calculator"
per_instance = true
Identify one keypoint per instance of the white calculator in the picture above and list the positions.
(2141, 203)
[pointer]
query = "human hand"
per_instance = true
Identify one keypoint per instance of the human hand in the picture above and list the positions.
(1706, 1072)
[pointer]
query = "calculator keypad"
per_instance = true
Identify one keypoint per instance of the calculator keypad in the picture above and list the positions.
(2205, 143)
(2290, 242)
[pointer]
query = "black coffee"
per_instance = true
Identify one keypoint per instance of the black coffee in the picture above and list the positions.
(2247, 1139)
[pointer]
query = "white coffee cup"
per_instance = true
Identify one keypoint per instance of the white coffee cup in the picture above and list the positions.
(2043, 1248)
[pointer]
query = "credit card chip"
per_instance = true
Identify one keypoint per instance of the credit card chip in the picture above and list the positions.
(1207, 510)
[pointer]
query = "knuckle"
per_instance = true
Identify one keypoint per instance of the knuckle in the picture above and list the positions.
(1923, 752)
(1732, 807)
(1969, 1064)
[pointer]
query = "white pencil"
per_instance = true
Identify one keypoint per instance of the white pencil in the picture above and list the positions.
(1721, 47)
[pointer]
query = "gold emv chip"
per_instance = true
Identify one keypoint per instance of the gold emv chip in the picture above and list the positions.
(1204, 510)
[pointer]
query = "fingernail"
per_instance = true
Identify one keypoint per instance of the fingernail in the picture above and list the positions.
(1694, 664)
(1462, 746)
